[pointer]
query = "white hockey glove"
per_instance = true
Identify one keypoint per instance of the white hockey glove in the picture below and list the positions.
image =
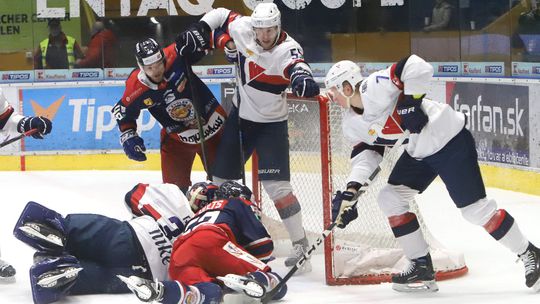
(145, 290)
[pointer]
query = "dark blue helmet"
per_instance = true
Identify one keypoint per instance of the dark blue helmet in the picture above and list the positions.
(148, 52)
(231, 189)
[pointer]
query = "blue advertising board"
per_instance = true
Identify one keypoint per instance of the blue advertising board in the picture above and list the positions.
(82, 118)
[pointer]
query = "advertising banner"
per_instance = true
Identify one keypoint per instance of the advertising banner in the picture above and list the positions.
(16, 76)
(526, 69)
(498, 117)
(489, 69)
(82, 118)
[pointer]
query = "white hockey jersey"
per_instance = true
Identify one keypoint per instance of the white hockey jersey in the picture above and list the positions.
(380, 92)
(160, 213)
(8, 118)
(263, 73)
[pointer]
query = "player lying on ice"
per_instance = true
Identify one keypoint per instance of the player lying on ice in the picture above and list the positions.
(378, 108)
(224, 241)
(13, 122)
(82, 253)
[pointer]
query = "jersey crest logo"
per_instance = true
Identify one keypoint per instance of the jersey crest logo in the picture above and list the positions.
(181, 110)
(148, 102)
(255, 70)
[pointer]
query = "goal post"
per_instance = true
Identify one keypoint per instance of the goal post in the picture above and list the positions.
(365, 252)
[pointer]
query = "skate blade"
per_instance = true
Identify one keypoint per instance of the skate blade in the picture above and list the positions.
(306, 268)
(60, 279)
(7, 280)
(33, 232)
(421, 286)
(536, 286)
(250, 287)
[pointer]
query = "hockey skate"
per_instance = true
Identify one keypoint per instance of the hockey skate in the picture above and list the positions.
(51, 277)
(418, 277)
(298, 250)
(246, 285)
(7, 272)
(531, 261)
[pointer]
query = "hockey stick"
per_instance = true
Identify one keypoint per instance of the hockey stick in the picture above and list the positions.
(240, 136)
(270, 294)
(14, 139)
(199, 108)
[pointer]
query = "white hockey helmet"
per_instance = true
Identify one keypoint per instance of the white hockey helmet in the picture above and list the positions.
(266, 15)
(340, 72)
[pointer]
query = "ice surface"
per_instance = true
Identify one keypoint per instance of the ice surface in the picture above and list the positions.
(493, 277)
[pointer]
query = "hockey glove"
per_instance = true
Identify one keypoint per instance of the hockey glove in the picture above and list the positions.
(133, 145)
(303, 84)
(195, 39)
(343, 209)
(231, 55)
(412, 116)
(145, 290)
(42, 124)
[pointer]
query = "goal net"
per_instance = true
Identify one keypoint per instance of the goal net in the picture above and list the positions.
(365, 252)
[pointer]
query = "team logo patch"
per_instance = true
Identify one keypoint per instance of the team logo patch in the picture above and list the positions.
(181, 110)
(372, 132)
(148, 102)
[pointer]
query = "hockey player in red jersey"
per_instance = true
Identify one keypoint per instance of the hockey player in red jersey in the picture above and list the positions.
(162, 86)
(438, 145)
(83, 253)
(269, 60)
(224, 241)
(11, 122)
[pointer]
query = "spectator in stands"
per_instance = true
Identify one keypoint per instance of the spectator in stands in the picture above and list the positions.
(440, 16)
(101, 51)
(527, 36)
(58, 51)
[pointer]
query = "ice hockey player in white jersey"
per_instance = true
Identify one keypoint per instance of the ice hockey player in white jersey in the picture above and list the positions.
(268, 60)
(439, 145)
(82, 253)
(11, 122)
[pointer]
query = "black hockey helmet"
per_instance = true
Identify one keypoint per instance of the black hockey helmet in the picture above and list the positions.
(148, 51)
(201, 194)
(231, 189)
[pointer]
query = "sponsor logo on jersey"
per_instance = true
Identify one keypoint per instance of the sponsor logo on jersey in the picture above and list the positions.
(148, 102)
(210, 129)
(85, 74)
(448, 68)
(16, 76)
(493, 69)
(181, 110)
(220, 71)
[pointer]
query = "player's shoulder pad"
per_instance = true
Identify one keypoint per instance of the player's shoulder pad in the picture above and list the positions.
(170, 55)
(134, 88)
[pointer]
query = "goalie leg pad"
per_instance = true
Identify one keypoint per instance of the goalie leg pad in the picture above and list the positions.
(52, 277)
(41, 228)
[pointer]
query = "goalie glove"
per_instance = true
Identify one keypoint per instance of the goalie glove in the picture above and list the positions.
(145, 290)
(343, 208)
